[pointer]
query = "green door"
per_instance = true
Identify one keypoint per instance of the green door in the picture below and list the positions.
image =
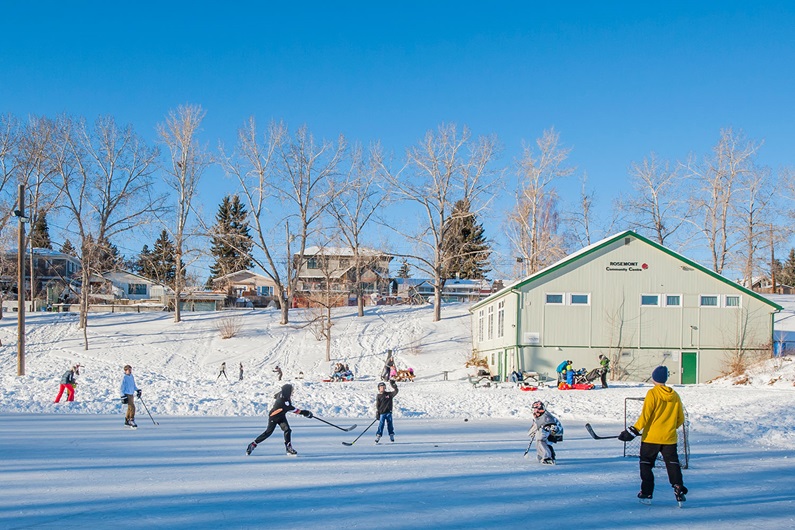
(689, 364)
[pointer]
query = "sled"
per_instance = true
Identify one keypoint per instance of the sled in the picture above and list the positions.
(575, 386)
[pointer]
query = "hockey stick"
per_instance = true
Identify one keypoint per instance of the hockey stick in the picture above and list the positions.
(147, 411)
(352, 427)
(596, 436)
(364, 431)
(532, 438)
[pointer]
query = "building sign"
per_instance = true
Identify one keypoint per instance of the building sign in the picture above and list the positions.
(532, 337)
(626, 266)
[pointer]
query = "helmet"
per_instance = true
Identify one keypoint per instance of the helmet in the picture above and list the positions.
(538, 405)
(381, 384)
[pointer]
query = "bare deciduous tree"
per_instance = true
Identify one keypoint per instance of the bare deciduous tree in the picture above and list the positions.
(105, 175)
(658, 206)
(359, 199)
(295, 172)
(579, 222)
(716, 179)
(445, 167)
(533, 224)
(187, 160)
(754, 213)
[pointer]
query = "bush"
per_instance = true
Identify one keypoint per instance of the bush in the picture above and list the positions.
(229, 327)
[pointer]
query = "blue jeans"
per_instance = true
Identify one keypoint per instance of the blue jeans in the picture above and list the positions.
(388, 419)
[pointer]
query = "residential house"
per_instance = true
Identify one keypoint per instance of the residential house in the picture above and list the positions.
(331, 272)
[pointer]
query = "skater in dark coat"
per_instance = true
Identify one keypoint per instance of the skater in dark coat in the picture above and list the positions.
(604, 364)
(661, 416)
(278, 416)
(383, 406)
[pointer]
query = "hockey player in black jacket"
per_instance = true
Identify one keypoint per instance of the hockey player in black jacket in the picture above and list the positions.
(278, 416)
(383, 406)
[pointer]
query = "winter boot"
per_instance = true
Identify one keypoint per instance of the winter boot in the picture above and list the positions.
(290, 450)
(250, 448)
(644, 498)
(679, 492)
(391, 437)
(377, 438)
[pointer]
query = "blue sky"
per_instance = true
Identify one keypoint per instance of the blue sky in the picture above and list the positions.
(617, 80)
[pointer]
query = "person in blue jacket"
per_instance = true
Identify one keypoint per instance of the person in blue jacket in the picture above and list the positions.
(129, 390)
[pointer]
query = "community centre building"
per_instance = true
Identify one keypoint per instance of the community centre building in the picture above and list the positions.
(631, 299)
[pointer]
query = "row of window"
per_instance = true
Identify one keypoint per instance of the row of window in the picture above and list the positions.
(486, 322)
(653, 300)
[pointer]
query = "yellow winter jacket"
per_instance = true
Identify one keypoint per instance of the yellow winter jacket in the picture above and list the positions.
(662, 414)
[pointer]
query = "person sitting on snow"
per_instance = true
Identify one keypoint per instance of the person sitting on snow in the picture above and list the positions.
(547, 430)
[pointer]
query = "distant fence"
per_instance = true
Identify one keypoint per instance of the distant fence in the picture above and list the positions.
(107, 308)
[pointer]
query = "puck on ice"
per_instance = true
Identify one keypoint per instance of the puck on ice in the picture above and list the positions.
(466, 419)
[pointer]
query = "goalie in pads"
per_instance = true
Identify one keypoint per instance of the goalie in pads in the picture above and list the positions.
(547, 430)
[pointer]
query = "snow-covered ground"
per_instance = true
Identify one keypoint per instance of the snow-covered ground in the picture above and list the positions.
(73, 464)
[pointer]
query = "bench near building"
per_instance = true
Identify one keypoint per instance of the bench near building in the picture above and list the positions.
(631, 299)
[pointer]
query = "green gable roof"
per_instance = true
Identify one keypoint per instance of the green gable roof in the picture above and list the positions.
(572, 258)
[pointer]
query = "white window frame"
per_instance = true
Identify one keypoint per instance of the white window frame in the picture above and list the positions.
(501, 319)
(490, 325)
(481, 324)
(586, 295)
(726, 301)
(665, 297)
(658, 296)
(701, 300)
(562, 298)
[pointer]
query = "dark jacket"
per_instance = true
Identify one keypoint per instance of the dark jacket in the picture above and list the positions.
(282, 405)
(68, 378)
(383, 401)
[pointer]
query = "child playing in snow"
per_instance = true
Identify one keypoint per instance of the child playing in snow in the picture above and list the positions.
(278, 416)
(547, 430)
(68, 383)
(661, 416)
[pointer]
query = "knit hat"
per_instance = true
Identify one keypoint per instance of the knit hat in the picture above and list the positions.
(660, 374)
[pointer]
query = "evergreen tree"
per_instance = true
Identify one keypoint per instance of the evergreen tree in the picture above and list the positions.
(787, 272)
(466, 252)
(231, 241)
(40, 232)
(68, 249)
(404, 270)
(144, 263)
(164, 261)
(103, 255)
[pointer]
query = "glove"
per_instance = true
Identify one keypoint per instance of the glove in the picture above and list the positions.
(138, 393)
(306, 414)
(629, 434)
(124, 400)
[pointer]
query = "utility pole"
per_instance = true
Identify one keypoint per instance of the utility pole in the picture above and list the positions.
(20, 215)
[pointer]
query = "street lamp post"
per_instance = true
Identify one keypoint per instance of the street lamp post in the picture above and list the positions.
(20, 215)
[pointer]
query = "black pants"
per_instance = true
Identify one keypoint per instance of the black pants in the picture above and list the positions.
(604, 379)
(271, 427)
(648, 455)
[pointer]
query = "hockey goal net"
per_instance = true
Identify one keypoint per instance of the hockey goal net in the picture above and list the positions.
(632, 409)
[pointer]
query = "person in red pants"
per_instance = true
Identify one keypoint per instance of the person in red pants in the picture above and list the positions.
(68, 383)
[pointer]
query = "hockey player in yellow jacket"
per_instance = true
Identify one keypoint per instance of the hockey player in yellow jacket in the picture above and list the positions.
(661, 416)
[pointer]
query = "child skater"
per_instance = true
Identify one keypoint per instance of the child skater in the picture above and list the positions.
(547, 430)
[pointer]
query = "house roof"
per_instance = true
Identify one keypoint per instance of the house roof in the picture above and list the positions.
(243, 275)
(571, 258)
(343, 251)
